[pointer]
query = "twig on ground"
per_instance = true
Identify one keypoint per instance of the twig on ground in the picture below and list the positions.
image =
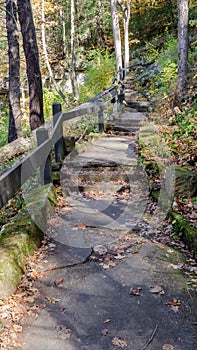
(83, 135)
(150, 339)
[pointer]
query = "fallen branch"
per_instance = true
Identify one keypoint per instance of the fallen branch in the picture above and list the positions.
(83, 135)
(150, 339)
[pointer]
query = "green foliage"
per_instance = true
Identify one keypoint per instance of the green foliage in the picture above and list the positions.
(49, 97)
(4, 122)
(99, 72)
(152, 52)
(167, 62)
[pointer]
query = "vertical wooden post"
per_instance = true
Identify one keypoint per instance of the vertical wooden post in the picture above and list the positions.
(100, 117)
(45, 169)
(59, 145)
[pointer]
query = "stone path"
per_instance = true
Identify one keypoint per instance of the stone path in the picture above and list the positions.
(104, 286)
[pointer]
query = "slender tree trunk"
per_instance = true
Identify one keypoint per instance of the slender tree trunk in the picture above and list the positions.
(46, 55)
(63, 32)
(73, 63)
(126, 12)
(32, 63)
(116, 35)
(183, 19)
(15, 113)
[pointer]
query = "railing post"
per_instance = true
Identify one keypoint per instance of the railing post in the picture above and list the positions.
(45, 169)
(100, 116)
(59, 145)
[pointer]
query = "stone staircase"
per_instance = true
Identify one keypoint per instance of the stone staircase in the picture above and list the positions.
(133, 113)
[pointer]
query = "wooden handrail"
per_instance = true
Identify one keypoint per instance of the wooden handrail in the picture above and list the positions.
(14, 178)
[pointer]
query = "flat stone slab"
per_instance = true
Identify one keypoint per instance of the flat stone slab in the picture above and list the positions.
(96, 307)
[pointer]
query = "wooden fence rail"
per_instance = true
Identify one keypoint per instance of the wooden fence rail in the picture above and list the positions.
(15, 177)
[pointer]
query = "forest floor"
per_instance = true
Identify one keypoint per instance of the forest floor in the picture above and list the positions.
(108, 274)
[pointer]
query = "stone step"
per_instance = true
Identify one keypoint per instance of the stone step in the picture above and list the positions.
(72, 166)
(89, 177)
(102, 189)
(141, 106)
(121, 128)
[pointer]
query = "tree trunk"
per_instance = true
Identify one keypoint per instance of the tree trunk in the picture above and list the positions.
(32, 63)
(15, 113)
(46, 56)
(126, 11)
(73, 63)
(183, 19)
(117, 37)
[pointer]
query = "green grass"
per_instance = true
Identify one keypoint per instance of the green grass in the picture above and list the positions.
(4, 123)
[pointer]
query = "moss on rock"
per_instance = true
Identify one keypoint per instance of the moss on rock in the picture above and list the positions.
(18, 240)
(187, 232)
(21, 236)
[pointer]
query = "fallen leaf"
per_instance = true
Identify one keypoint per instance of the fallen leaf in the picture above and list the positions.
(64, 332)
(2, 303)
(17, 328)
(135, 291)
(119, 342)
(52, 300)
(107, 320)
(174, 302)
(34, 274)
(119, 257)
(58, 281)
(168, 347)
(105, 332)
(174, 308)
(82, 226)
(156, 290)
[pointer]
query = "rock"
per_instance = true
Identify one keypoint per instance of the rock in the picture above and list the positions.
(181, 181)
(100, 250)
(21, 236)
(188, 233)
(39, 203)
(18, 240)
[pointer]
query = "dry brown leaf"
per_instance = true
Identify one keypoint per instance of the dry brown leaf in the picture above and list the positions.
(156, 290)
(119, 342)
(135, 291)
(58, 281)
(52, 300)
(82, 226)
(168, 347)
(105, 332)
(107, 320)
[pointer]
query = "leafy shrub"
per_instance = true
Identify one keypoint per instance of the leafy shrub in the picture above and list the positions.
(167, 62)
(49, 97)
(4, 122)
(99, 73)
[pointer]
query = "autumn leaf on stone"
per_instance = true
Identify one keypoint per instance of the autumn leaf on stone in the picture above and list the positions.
(119, 342)
(58, 281)
(107, 320)
(52, 300)
(135, 291)
(105, 332)
(63, 332)
(82, 226)
(156, 290)
(168, 347)
(174, 304)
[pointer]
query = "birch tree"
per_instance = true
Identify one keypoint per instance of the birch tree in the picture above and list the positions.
(126, 12)
(117, 36)
(183, 19)
(73, 61)
(15, 113)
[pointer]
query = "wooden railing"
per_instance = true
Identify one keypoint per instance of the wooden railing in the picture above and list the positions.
(12, 180)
